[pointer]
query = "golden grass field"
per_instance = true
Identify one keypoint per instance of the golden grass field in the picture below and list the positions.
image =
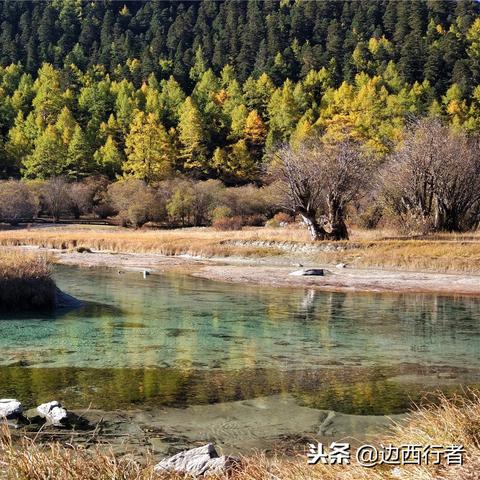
(450, 422)
(365, 249)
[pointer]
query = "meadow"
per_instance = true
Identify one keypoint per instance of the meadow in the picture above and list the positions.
(453, 253)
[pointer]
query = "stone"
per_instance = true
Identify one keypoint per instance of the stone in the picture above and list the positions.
(341, 265)
(309, 272)
(10, 408)
(54, 413)
(198, 461)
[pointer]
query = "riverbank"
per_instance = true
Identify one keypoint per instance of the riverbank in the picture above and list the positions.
(263, 271)
(445, 264)
(448, 423)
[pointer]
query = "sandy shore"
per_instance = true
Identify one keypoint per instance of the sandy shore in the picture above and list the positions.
(275, 424)
(266, 272)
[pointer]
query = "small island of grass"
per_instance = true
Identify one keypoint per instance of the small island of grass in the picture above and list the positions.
(26, 282)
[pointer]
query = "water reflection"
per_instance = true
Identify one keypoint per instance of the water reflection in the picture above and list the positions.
(356, 390)
(184, 324)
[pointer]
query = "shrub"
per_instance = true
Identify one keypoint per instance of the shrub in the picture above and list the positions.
(55, 193)
(180, 205)
(16, 202)
(246, 200)
(86, 195)
(135, 202)
(370, 217)
(220, 213)
(226, 224)
(256, 220)
(280, 219)
(205, 196)
(104, 210)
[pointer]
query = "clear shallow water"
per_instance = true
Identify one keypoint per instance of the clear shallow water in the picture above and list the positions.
(178, 340)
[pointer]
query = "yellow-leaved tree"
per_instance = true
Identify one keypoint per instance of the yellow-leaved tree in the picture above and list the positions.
(149, 150)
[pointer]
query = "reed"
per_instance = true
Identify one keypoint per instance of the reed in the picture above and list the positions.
(453, 253)
(25, 281)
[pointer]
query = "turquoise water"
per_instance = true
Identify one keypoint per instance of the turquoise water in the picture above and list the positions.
(179, 340)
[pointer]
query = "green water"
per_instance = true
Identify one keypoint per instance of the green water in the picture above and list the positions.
(177, 340)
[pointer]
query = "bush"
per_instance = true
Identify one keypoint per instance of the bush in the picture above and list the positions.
(135, 202)
(219, 213)
(226, 224)
(86, 195)
(370, 217)
(180, 204)
(55, 194)
(104, 210)
(16, 202)
(247, 200)
(256, 220)
(280, 219)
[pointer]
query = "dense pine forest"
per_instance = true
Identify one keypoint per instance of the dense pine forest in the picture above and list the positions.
(205, 88)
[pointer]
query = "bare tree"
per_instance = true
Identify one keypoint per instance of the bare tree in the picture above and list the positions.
(318, 181)
(55, 193)
(433, 179)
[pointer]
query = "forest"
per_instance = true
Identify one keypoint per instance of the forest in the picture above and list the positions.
(150, 91)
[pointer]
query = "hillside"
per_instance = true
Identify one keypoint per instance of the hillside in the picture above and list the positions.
(85, 86)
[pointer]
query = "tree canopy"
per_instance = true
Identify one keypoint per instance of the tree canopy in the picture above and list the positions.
(83, 84)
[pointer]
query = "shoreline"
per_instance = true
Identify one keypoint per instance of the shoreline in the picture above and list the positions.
(267, 273)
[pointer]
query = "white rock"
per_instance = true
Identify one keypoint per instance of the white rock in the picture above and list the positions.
(319, 272)
(10, 408)
(396, 472)
(197, 461)
(341, 265)
(53, 412)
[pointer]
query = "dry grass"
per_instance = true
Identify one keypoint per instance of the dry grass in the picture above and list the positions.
(25, 281)
(377, 249)
(450, 422)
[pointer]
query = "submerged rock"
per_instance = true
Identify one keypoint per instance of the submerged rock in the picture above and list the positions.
(197, 462)
(54, 413)
(10, 408)
(309, 272)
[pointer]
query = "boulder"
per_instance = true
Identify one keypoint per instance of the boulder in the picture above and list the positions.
(10, 408)
(309, 272)
(197, 462)
(341, 265)
(54, 413)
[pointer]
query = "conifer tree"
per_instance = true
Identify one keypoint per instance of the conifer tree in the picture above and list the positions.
(49, 157)
(78, 155)
(108, 158)
(193, 151)
(148, 149)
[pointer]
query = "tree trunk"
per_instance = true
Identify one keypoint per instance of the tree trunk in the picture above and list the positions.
(339, 230)
(317, 232)
(336, 219)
